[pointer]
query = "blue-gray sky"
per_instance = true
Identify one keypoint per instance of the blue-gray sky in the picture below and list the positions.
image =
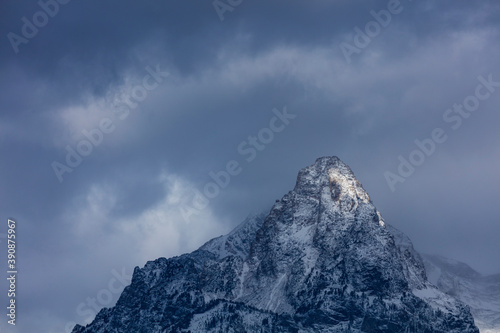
(86, 66)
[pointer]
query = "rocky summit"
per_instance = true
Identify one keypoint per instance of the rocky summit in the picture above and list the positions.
(322, 260)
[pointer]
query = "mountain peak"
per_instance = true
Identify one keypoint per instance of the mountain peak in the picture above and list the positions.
(329, 177)
(320, 261)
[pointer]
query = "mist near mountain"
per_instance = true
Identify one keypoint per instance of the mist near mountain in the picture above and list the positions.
(480, 292)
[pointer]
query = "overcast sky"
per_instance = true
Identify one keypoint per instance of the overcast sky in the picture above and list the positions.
(172, 92)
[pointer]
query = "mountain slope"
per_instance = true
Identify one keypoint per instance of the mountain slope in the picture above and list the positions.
(322, 260)
(481, 293)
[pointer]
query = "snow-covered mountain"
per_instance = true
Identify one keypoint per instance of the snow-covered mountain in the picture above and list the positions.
(481, 293)
(322, 260)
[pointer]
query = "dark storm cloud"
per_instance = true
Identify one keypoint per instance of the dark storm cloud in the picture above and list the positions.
(120, 206)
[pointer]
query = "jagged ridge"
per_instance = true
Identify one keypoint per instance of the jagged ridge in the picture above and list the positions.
(481, 293)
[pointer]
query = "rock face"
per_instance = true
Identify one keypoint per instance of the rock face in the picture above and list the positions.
(322, 260)
(480, 293)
